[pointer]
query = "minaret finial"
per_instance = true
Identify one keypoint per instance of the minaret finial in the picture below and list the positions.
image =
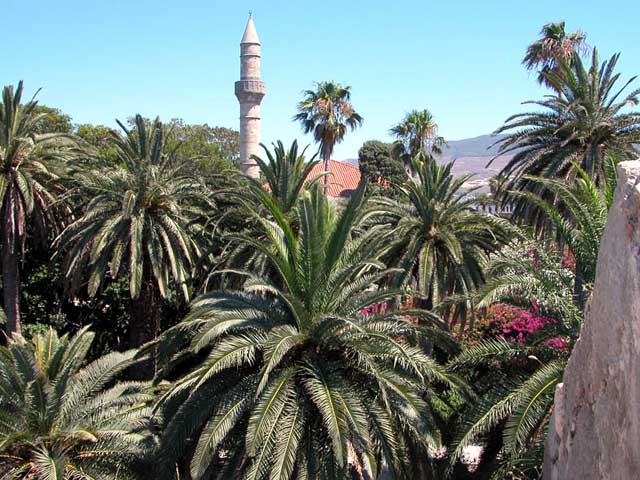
(250, 13)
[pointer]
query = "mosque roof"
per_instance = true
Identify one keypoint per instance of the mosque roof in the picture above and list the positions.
(343, 177)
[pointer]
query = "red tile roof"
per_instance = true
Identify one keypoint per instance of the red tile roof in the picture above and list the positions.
(343, 177)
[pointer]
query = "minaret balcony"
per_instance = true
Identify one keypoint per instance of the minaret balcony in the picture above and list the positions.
(255, 87)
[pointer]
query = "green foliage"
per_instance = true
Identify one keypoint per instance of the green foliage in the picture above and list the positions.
(138, 213)
(553, 48)
(30, 167)
(212, 148)
(286, 175)
(521, 408)
(583, 125)
(436, 234)
(529, 270)
(283, 181)
(328, 114)
(65, 419)
(578, 216)
(417, 136)
(383, 172)
(516, 381)
(52, 120)
(99, 137)
(296, 380)
(298, 359)
(45, 304)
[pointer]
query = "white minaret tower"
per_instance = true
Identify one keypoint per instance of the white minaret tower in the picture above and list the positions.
(249, 91)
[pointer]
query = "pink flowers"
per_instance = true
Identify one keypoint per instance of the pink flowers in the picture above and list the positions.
(517, 324)
(375, 308)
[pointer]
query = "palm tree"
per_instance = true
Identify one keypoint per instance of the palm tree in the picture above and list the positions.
(555, 46)
(439, 238)
(64, 418)
(327, 112)
(138, 222)
(29, 162)
(417, 135)
(286, 174)
(293, 378)
(582, 125)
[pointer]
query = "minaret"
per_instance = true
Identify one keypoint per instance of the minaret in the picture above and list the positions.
(249, 91)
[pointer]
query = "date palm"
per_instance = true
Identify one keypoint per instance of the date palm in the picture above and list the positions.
(62, 417)
(29, 171)
(284, 179)
(137, 222)
(585, 123)
(554, 46)
(327, 113)
(417, 135)
(438, 237)
(292, 378)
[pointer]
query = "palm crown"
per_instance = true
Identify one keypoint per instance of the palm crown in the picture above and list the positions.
(417, 135)
(320, 382)
(328, 113)
(286, 174)
(554, 47)
(62, 418)
(580, 126)
(438, 237)
(578, 215)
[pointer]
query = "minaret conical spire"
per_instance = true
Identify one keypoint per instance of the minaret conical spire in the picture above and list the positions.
(250, 90)
(250, 33)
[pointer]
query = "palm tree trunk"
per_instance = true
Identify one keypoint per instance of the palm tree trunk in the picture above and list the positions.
(325, 161)
(144, 325)
(10, 272)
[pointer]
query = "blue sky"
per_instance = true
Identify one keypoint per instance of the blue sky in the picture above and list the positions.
(101, 60)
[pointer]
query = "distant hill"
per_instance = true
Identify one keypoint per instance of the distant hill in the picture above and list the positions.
(482, 146)
(471, 156)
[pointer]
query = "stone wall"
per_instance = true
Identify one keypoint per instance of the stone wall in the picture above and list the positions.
(595, 429)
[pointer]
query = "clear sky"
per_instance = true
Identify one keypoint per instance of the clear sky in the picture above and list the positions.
(101, 60)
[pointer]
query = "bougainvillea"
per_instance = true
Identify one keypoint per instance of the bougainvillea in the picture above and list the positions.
(514, 323)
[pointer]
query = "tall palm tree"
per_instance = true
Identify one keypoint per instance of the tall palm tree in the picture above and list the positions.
(64, 418)
(582, 125)
(327, 112)
(554, 46)
(138, 222)
(293, 379)
(438, 236)
(417, 135)
(29, 168)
